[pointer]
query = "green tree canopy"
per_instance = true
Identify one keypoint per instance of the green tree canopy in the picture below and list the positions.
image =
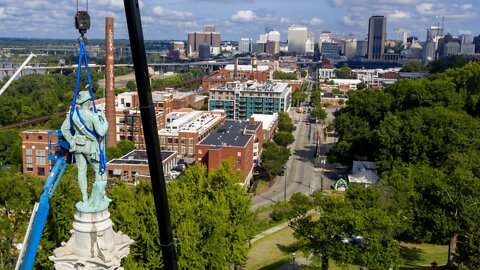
(413, 66)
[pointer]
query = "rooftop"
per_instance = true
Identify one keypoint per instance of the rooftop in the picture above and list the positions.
(195, 121)
(139, 157)
(246, 68)
(231, 133)
(253, 86)
(266, 119)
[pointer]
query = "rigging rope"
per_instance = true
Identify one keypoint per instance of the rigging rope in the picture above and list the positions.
(82, 56)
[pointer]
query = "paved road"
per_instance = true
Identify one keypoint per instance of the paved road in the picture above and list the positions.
(300, 176)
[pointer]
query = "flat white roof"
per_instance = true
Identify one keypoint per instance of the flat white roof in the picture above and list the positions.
(346, 81)
(266, 119)
(196, 121)
(244, 68)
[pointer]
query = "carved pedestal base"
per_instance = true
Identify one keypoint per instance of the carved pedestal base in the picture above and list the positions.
(93, 244)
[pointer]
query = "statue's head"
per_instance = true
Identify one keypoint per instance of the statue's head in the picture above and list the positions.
(83, 96)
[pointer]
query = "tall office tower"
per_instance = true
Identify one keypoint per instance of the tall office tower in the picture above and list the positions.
(272, 47)
(195, 39)
(431, 43)
(465, 39)
(209, 28)
(362, 48)
(273, 36)
(377, 32)
(310, 43)
(245, 45)
(324, 36)
(297, 37)
(350, 47)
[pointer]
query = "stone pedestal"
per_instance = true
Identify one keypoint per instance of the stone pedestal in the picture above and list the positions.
(93, 244)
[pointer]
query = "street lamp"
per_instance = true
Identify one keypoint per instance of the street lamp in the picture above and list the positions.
(285, 182)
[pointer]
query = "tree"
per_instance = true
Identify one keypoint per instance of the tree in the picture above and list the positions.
(303, 73)
(283, 138)
(285, 122)
(413, 66)
(18, 194)
(318, 112)
(10, 147)
(334, 235)
(279, 75)
(131, 85)
(211, 220)
(445, 63)
(345, 73)
(361, 86)
(122, 148)
(273, 158)
(298, 98)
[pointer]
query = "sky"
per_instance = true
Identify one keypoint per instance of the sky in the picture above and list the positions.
(235, 19)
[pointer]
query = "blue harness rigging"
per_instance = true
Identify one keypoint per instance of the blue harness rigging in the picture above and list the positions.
(82, 55)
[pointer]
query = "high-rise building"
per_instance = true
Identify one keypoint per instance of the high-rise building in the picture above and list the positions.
(209, 28)
(176, 49)
(362, 48)
(330, 50)
(350, 49)
(324, 36)
(377, 32)
(272, 47)
(310, 42)
(195, 39)
(465, 39)
(204, 52)
(273, 36)
(434, 33)
(245, 45)
(297, 37)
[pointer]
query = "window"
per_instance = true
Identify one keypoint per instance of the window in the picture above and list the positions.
(125, 175)
(199, 151)
(239, 161)
(239, 154)
(190, 141)
(184, 150)
(29, 160)
(162, 140)
(175, 148)
(40, 138)
(184, 141)
(190, 150)
(169, 140)
(127, 104)
(41, 171)
(40, 157)
(122, 101)
(175, 140)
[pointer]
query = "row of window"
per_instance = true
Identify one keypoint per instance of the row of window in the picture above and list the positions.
(176, 140)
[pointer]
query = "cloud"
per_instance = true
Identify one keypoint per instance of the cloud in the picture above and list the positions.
(425, 8)
(243, 16)
(398, 15)
(466, 32)
(2, 12)
(336, 3)
(160, 11)
(285, 20)
(466, 6)
(316, 21)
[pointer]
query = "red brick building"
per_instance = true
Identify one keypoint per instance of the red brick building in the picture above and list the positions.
(235, 140)
(35, 152)
(134, 166)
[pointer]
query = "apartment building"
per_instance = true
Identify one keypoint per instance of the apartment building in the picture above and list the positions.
(234, 140)
(184, 129)
(133, 166)
(240, 100)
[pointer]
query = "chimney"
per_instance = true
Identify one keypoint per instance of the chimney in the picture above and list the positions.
(110, 83)
(235, 69)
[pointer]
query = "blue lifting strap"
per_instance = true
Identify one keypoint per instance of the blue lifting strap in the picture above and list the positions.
(82, 55)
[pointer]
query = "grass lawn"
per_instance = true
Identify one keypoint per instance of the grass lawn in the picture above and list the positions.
(267, 253)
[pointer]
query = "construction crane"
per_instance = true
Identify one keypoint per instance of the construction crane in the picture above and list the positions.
(16, 73)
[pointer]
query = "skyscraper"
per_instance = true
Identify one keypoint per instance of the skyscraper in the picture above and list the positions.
(195, 39)
(297, 38)
(377, 32)
(245, 45)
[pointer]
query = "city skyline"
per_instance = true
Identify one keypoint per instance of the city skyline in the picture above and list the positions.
(236, 19)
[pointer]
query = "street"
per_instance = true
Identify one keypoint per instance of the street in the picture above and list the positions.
(300, 175)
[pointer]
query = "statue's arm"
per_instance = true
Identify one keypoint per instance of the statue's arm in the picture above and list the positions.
(66, 130)
(100, 124)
